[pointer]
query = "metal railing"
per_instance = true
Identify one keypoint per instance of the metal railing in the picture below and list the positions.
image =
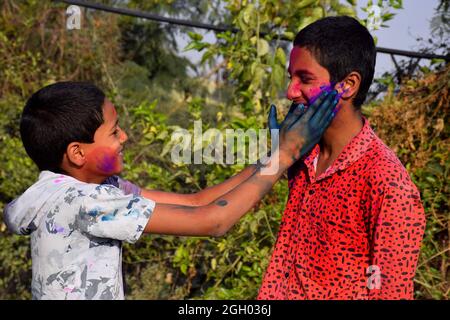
(187, 23)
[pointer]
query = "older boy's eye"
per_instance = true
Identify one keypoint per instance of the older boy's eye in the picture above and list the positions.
(306, 79)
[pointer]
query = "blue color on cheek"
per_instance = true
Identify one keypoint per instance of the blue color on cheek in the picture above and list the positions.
(107, 164)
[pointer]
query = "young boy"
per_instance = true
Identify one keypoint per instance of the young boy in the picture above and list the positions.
(77, 225)
(354, 221)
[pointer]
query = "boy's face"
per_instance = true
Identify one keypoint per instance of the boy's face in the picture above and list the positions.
(104, 156)
(307, 77)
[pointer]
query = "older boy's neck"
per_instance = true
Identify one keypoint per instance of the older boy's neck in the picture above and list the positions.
(346, 125)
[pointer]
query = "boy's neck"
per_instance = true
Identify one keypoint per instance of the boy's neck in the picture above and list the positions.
(346, 125)
(81, 176)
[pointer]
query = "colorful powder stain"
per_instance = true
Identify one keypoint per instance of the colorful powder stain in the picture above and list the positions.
(110, 216)
(106, 160)
(59, 179)
(107, 163)
(316, 92)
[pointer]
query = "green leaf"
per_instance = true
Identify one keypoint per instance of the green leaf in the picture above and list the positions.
(195, 36)
(263, 47)
(289, 35)
(280, 57)
(305, 3)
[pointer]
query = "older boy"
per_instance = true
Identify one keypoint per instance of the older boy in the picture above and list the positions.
(353, 222)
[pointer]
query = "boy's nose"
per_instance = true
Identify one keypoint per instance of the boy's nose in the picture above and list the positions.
(123, 137)
(293, 91)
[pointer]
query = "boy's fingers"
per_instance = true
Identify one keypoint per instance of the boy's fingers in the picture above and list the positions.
(317, 103)
(292, 107)
(296, 113)
(273, 123)
(328, 103)
(326, 120)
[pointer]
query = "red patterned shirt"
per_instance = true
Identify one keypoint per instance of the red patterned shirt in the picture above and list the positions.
(354, 232)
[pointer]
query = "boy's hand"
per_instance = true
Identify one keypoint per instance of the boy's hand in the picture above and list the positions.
(301, 130)
(273, 122)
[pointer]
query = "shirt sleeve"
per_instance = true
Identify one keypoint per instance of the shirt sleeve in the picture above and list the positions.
(126, 186)
(107, 212)
(398, 223)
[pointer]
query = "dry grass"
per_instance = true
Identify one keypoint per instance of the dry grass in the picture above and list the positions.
(415, 124)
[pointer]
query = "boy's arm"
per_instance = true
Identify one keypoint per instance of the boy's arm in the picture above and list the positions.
(398, 232)
(203, 197)
(217, 218)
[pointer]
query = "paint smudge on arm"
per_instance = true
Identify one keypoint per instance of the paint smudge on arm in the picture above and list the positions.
(222, 203)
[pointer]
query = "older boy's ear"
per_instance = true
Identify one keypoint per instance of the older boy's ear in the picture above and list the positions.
(348, 88)
(75, 154)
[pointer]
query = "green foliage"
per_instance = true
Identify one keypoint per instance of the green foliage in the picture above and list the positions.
(136, 64)
(415, 124)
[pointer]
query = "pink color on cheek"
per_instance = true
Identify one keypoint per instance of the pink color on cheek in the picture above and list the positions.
(314, 93)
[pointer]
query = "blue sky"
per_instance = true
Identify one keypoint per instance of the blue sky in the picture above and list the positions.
(411, 22)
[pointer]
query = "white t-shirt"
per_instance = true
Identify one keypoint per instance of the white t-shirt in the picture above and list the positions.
(77, 231)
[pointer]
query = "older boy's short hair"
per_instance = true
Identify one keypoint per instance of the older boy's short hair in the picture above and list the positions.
(57, 115)
(341, 45)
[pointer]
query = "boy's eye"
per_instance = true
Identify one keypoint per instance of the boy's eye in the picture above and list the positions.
(305, 79)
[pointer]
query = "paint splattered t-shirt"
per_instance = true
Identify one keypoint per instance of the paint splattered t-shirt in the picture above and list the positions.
(354, 232)
(77, 231)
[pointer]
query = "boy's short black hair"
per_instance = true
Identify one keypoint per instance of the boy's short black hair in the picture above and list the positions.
(57, 115)
(341, 45)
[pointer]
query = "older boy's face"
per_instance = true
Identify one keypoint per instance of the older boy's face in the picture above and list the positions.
(307, 77)
(104, 156)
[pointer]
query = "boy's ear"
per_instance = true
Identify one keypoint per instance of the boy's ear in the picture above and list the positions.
(75, 154)
(348, 88)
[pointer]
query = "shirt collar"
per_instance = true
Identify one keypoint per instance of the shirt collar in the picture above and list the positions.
(354, 150)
